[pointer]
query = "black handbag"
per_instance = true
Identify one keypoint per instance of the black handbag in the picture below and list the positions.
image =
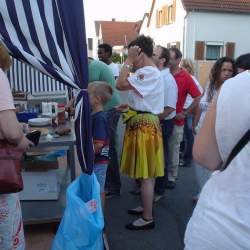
(236, 150)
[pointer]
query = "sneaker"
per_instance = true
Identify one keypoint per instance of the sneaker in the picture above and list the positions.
(105, 241)
(110, 195)
(136, 191)
(185, 163)
(158, 197)
(171, 185)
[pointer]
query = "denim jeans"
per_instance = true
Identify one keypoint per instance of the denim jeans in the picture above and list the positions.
(167, 129)
(202, 175)
(188, 139)
(113, 180)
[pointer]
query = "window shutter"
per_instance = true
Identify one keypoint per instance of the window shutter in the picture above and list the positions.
(161, 17)
(90, 43)
(157, 19)
(174, 11)
(178, 45)
(230, 48)
(165, 15)
(199, 50)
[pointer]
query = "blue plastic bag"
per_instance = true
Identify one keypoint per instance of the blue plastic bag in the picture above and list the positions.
(82, 223)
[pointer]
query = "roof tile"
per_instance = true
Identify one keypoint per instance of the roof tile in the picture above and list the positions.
(237, 6)
(118, 33)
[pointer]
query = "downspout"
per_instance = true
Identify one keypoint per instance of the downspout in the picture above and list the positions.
(184, 33)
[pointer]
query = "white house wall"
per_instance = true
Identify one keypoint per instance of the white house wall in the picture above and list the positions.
(217, 27)
(144, 29)
(168, 33)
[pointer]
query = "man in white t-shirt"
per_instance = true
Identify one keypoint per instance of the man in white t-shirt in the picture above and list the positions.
(105, 55)
(161, 59)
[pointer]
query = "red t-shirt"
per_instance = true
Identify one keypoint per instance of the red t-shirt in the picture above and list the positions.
(186, 85)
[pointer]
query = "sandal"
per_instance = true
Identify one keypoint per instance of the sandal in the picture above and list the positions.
(141, 224)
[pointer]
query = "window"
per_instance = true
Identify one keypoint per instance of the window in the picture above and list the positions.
(90, 43)
(166, 15)
(213, 52)
(170, 14)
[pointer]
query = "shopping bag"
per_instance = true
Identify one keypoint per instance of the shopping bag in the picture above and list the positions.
(82, 223)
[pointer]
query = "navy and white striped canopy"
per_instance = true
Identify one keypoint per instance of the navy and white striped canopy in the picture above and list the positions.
(50, 36)
(24, 77)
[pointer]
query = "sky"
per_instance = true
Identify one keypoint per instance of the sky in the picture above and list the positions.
(121, 10)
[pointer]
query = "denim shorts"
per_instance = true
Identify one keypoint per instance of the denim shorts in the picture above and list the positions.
(100, 172)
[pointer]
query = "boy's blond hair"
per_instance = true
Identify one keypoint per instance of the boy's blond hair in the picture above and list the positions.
(101, 89)
(5, 59)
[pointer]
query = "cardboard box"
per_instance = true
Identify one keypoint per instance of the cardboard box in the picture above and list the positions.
(38, 161)
(36, 165)
(42, 185)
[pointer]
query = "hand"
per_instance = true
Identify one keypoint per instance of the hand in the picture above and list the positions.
(24, 145)
(194, 130)
(71, 111)
(134, 54)
(180, 116)
(122, 107)
(70, 107)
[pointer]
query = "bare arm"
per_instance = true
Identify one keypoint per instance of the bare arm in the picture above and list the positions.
(11, 131)
(70, 107)
(197, 116)
(205, 150)
(167, 111)
(122, 81)
(9, 127)
(190, 109)
(98, 147)
(193, 105)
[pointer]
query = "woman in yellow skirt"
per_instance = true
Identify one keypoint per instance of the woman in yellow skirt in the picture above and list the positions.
(142, 156)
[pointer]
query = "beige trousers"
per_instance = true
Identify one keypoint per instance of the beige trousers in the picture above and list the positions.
(174, 152)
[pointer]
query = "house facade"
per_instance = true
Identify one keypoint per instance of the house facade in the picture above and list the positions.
(203, 30)
(116, 33)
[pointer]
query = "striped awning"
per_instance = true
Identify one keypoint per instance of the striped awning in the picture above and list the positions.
(25, 78)
(50, 36)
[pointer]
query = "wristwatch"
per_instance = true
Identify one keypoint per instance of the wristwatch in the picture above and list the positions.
(128, 66)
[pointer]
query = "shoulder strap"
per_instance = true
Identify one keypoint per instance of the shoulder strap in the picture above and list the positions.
(236, 150)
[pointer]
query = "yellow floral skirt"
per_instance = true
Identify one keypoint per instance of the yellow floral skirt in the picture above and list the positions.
(142, 155)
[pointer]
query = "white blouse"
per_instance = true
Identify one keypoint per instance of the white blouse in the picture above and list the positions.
(204, 107)
(148, 90)
(221, 219)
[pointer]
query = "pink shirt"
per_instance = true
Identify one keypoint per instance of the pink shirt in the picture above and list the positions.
(6, 99)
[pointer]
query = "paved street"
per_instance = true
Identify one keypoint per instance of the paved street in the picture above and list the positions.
(171, 213)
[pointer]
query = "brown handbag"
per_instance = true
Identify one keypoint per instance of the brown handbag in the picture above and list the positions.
(10, 169)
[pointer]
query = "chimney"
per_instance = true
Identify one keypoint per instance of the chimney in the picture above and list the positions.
(113, 19)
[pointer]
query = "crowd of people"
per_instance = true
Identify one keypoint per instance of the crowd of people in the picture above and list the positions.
(167, 107)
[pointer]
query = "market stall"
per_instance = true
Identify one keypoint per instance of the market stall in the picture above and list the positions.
(43, 197)
(45, 35)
